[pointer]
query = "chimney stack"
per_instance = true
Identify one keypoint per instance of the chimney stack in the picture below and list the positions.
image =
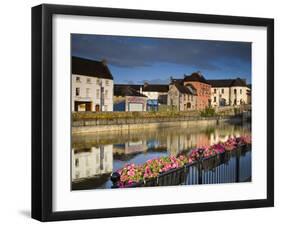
(104, 62)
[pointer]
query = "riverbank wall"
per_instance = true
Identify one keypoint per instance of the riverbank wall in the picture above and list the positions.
(105, 125)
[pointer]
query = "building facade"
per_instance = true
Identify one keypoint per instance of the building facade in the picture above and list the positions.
(127, 98)
(157, 94)
(203, 89)
(92, 85)
(182, 97)
(229, 92)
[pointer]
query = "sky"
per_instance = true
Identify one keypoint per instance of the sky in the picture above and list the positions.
(135, 60)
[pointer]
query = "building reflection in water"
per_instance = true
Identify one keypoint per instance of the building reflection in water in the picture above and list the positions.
(91, 160)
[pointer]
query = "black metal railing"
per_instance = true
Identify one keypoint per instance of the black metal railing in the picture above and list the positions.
(228, 167)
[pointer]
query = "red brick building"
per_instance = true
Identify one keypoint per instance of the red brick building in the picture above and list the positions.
(203, 88)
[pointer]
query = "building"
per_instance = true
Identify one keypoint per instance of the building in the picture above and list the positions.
(92, 85)
(202, 87)
(228, 92)
(249, 94)
(157, 94)
(182, 97)
(127, 98)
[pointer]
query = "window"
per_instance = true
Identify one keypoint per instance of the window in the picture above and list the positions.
(215, 99)
(98, 81)
(240, 91)
(107, 82)
(87, 92)
(191, 98)
(235, 91)
(105, 107)
(88, 80)
(215, 90)
(222, 91)
(76, 162)
(78, 79)
(106, 94)
(77, 91)
(98, 94)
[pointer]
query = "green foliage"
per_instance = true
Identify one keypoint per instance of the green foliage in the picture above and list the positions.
(76, 116)
(208, 112)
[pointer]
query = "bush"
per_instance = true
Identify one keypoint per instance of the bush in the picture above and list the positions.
(76, 116)
(208, 112)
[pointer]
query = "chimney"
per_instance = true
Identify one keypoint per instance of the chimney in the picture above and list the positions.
(104, 62)
(145, 84)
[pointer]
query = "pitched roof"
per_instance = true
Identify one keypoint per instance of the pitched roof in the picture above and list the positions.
(195, 77)
(148, 87)
(227, 82)
(126, 90)
(155, 88)
(185, 89)
(239, 82)
(98, 69)
(134, 86)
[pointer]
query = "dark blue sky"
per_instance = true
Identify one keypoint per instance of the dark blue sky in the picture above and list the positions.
(139, 59)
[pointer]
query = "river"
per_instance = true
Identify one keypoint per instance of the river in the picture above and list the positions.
(95, 156)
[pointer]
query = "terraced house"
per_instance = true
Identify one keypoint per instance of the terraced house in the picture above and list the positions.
(92, 85)
(229, 92)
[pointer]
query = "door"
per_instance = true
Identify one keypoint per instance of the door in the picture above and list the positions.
(88, 107)
(97, 108)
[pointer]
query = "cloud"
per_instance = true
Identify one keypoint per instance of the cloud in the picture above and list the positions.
(131, 52)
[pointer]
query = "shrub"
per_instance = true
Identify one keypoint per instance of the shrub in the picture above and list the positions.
(208, 112)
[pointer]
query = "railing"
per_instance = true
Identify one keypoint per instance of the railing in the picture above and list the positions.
(227, 167)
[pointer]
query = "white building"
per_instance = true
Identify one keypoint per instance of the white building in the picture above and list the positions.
(92, 85)
(228, 92)
(158, 92)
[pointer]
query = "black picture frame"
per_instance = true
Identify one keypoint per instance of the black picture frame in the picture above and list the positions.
(42, 111)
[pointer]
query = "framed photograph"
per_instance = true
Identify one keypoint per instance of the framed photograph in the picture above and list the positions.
(145, 112)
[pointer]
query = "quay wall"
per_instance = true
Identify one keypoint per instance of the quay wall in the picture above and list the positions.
(103, 125)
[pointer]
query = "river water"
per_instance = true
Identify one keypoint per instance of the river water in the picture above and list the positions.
(96, 156)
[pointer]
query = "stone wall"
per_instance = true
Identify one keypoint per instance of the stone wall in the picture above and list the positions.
(99, 125)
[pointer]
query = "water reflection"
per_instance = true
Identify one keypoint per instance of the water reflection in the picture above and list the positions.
(95, 156)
